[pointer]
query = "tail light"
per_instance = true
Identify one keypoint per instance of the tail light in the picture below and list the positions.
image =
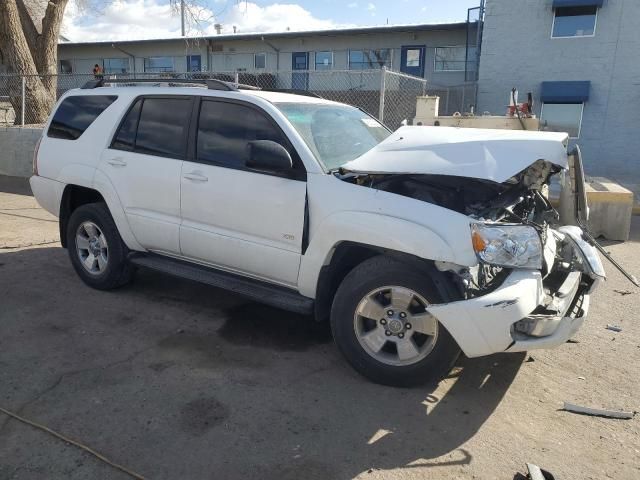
(35, 157)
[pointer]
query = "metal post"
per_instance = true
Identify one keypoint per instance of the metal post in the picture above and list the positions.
(464, 89)
(383, 79)
(446, 104)
(24, 89)
(236, 78)
(182, 15)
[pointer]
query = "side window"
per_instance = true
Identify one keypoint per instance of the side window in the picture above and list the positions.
(126, 136)
(75, 114)
(162, 126)
(225, 129)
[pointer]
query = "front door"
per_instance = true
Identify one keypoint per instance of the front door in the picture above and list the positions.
(144, 163)
(412, 60)
(300, 61)
(233, 217)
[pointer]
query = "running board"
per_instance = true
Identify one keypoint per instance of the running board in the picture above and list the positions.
(274, 295)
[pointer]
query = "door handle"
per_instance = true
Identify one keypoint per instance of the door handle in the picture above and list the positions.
(195, 177)
(117, 162)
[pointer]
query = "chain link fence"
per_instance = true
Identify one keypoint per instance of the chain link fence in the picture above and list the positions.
(387, 95)
(455, 98)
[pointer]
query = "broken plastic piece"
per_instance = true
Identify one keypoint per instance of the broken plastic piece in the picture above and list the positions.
(597, 412)
(536, 473)
(614, 328)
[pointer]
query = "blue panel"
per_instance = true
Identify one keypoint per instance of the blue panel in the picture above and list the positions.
(577, 3)
(565, 92)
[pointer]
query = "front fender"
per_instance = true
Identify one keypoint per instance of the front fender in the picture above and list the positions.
(377, 230)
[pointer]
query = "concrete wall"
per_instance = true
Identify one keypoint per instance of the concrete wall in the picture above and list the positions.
(17, 145)
(228, 54)
(518, 51)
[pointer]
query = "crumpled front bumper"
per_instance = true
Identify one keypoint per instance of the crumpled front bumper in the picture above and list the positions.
(521, 314)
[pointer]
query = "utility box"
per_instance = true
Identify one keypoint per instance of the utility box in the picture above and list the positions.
(610, 208)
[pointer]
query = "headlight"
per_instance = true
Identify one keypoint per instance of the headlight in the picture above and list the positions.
(516, 246)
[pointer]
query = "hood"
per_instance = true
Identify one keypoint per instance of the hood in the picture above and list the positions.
(486, 154)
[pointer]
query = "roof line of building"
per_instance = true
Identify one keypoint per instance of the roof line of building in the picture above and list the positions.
(286, 34)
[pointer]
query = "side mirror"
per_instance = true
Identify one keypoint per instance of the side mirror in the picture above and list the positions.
(268, 156)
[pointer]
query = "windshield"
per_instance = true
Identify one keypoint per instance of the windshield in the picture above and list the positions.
(336, 134)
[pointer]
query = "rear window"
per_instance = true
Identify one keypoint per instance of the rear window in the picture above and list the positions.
(75, 114)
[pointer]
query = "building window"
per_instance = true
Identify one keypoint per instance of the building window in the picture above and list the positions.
(66, 66)
(574, 22)
(194, 63)
(158, 64)
(324, 60)
(116, 65)
(413, 57)
(260, 61)
(562, 117)
(453, 59)
(369, 59)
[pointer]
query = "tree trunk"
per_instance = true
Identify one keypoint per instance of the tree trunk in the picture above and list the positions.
(30, 52)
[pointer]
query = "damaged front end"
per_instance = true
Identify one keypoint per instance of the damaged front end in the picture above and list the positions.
(530, 288)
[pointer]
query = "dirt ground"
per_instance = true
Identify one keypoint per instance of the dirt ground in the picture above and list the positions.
(176, 380)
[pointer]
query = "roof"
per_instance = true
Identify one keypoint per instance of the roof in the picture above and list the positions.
(419, 27)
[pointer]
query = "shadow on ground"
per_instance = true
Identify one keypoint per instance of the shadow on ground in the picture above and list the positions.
(180, 380)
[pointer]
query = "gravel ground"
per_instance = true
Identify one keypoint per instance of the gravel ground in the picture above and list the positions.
(178, 380)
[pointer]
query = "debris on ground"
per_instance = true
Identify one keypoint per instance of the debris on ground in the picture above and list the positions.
(536, 473)
(613, 328)
(623, 292)
(597, 412)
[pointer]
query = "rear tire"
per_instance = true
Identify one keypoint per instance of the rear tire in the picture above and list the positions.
(96, 250)
(380, 324)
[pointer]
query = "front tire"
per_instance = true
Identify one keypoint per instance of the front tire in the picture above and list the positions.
(381, 324)
(96, 250)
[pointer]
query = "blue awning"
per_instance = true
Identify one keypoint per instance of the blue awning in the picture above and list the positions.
(577, 3)
(565, 92)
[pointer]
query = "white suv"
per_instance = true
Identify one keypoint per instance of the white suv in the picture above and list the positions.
(416, 244)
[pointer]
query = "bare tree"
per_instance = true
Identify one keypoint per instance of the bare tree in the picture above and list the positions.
(29, 32)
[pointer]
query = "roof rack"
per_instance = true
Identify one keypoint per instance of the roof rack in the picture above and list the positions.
(295, 91)
(211, 83)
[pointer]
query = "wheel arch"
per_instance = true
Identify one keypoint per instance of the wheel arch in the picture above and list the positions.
(73, 197)
(346, 256)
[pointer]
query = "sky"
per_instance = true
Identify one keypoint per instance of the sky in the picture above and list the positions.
(99, 20)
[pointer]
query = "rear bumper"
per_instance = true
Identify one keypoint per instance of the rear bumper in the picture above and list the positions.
(523, 313)
(47, 192)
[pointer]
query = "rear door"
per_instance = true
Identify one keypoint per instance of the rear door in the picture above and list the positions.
(233, 217)
(144, 162)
